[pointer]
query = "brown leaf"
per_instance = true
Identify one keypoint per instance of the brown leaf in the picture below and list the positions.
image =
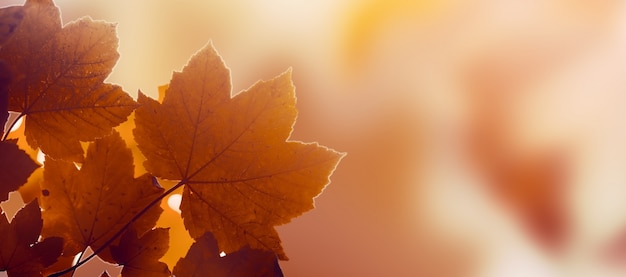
(15, 167)
(203, 259)
(59, 75)
(31, 189)
(15, 164)
(140, 255)
(88, 206)
(21, 254)
(242, 176)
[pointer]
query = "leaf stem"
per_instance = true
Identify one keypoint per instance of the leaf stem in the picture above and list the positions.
(80, 256)
(8, 130)
(121, 231)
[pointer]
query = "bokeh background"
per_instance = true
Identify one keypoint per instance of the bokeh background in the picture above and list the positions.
(484, 138)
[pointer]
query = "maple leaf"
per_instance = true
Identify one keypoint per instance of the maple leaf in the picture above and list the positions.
(140, 256)
(15, 167)
(203, 258)
(87, 207)
(15, 164)
(58, 82)
(21, 254)
(242, 176)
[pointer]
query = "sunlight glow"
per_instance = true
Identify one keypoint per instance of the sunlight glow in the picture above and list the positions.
(174, 202)
(222, 254)
(76, 258)
(17, 124)
(41, 157)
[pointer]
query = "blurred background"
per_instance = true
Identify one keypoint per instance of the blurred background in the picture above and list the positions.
(484, 138)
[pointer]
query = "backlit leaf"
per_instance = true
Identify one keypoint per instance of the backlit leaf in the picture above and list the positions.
(87, 207)
(242, 175)
(58, 83)
(140, 256)
(15, 164)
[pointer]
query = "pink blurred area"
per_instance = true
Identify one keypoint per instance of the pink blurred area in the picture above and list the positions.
(484, 138)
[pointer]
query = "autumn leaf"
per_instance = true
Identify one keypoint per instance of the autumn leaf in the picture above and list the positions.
(58, 82)
(21, 254)
(242, 176)
(140, 256)
(203, 259)
(15, 167)
(31, 189)
(15, 164)
(87, 207)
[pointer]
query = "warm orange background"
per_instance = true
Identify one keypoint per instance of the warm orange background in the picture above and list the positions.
(400, 86)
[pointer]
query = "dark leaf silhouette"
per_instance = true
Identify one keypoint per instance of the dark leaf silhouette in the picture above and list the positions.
(203, 259)
(242, 176)
(15, 164)
(58, 80)
(21, 253)
(15, 167)
(140, 255)
(87, 207)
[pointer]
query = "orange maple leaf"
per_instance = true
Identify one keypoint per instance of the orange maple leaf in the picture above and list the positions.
(87, 207)
(58, 82)
(242, 176)
(140, 255)
(21, 252)
(204, 257)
